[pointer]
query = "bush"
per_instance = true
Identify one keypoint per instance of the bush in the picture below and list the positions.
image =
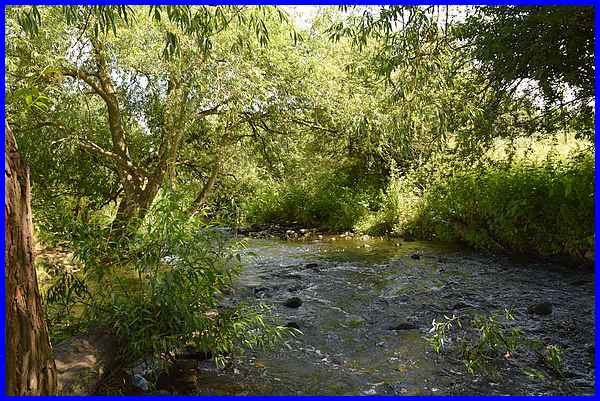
(526, 207)
(484, 342)
(160, 289)
(545, 209)
(328, 200)
(399, 207)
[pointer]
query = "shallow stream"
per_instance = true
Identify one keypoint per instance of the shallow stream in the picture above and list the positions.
(354, 292)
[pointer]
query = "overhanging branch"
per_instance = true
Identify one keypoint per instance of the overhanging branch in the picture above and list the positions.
(87, 78)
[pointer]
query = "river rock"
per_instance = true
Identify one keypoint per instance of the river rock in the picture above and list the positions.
(403, 298)
(542, 308)
(293, 325)
(293, 302)
(82, 360)
(462, 305)
(415, 256)
(404, 326)
(262, 292)
(313, 266)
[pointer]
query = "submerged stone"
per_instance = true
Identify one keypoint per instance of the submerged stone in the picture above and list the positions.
(293, 302)
(462, 305)
(543, 308)
(404, 326)
(293, 325)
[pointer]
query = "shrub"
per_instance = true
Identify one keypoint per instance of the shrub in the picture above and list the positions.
(329, 200)
(161, 289)
(399, 207)
(485, 341)
(545, 209)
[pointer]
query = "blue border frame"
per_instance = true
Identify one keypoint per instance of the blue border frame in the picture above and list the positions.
(304, 2)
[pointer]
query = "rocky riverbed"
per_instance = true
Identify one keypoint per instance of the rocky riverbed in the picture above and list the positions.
(365, 306)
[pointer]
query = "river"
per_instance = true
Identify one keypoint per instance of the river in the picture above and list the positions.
(367, 305)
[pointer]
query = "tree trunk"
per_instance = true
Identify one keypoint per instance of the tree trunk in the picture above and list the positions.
(203, 196)
(30, 368)
(133, 208)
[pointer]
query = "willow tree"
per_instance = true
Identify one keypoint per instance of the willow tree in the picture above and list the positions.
(154, 80)
(408, 92)
(72, 63)
(478, 71)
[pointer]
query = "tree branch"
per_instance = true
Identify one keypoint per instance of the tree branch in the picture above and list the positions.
(91, 147)
(213, 110)
(87, 78)
(311, 125)
(99, 150)
(203, 195)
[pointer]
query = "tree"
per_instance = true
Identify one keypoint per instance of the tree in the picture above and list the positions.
(425, 94)
(552, 46)
(151, 108)
(30, 368)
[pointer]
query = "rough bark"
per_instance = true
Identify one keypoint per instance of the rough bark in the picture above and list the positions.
(30, 367)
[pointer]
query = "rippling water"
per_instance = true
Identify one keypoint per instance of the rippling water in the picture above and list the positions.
(354, 291)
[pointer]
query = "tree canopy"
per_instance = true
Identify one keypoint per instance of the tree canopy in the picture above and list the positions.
(145, 126)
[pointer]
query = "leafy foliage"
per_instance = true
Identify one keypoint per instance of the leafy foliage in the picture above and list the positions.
(201, 22)
(553, 46)
(484, 341)
(380, 119)
(526, 208)
(163, 289)
(330, 201)
(509, 40)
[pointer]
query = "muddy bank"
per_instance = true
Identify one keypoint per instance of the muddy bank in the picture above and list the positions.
(365, 305)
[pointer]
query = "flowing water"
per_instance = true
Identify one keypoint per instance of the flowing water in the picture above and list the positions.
(355, 292)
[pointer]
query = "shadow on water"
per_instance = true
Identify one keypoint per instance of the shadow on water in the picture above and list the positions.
(354, 293)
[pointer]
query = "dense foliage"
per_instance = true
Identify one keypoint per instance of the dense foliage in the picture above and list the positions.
(536, 208)
(159, 290)
(144, 126)
(549, 47)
